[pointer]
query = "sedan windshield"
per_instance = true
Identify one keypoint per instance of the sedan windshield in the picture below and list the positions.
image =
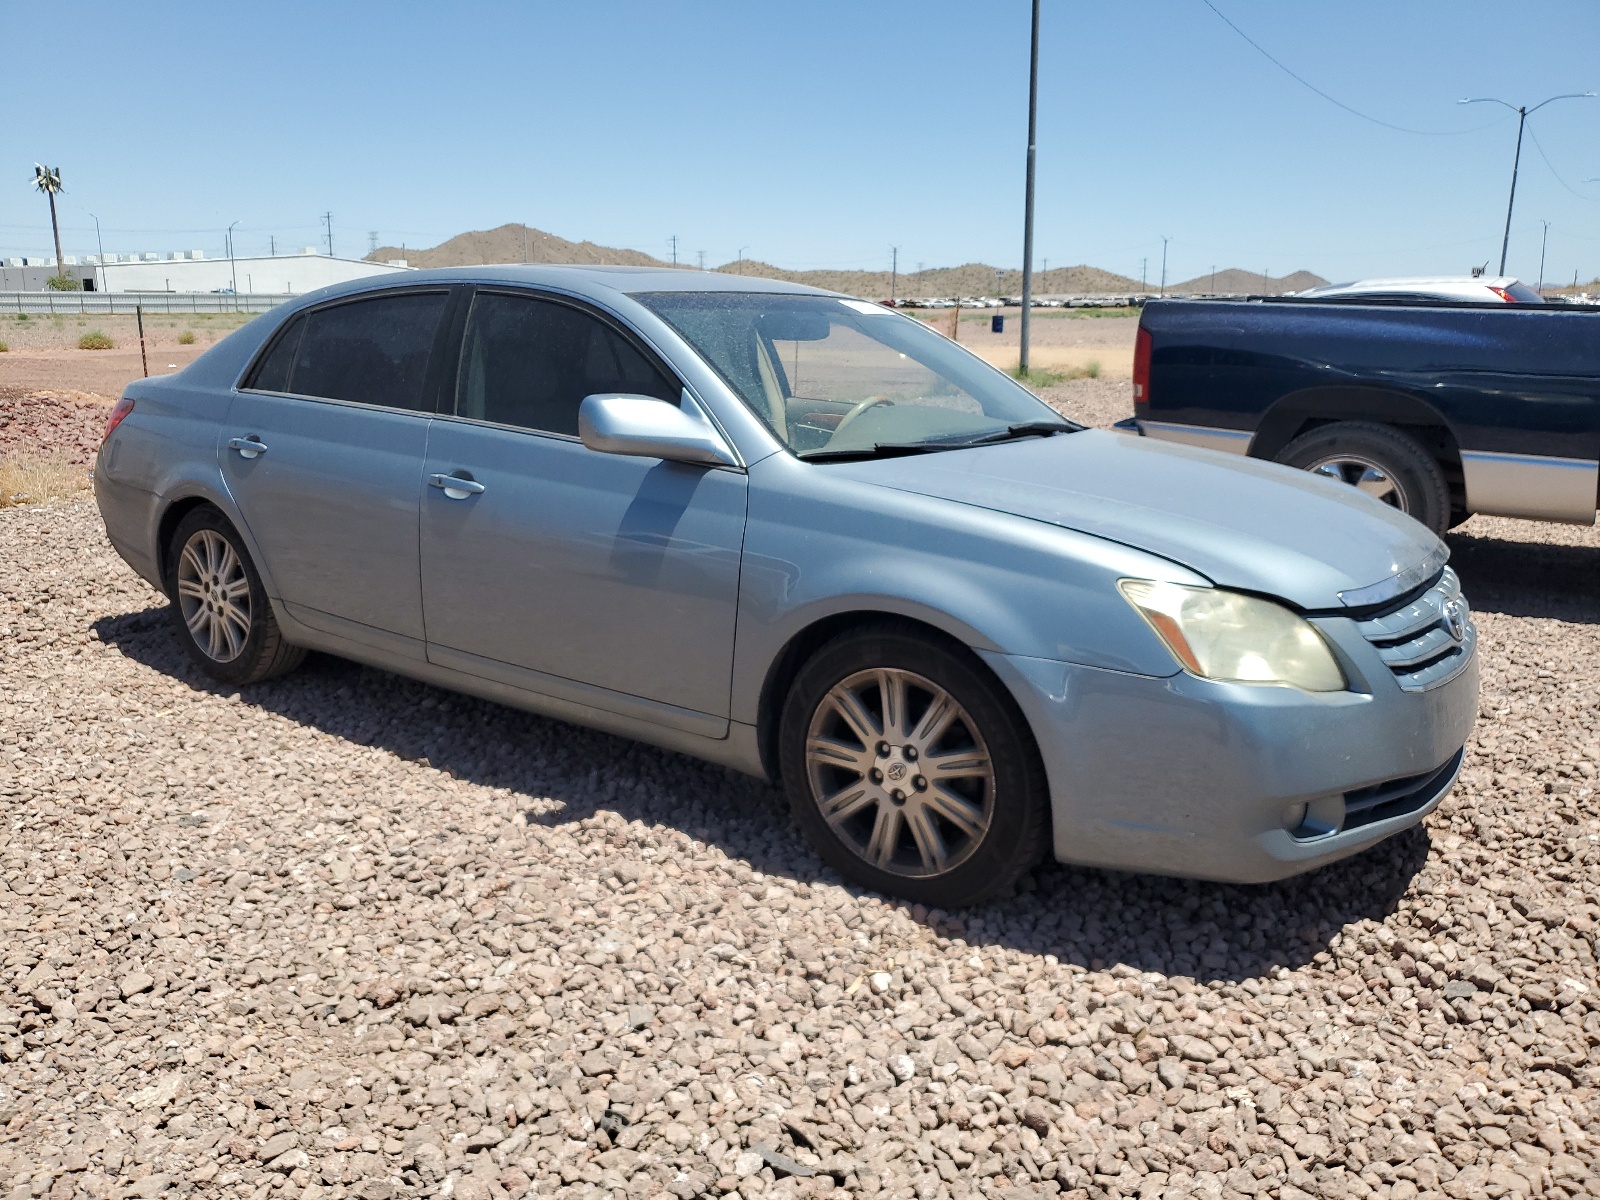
(837, 378)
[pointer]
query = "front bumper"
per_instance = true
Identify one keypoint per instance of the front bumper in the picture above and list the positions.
(1187, 776)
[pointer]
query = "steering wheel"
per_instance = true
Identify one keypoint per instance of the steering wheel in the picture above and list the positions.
(869, 402)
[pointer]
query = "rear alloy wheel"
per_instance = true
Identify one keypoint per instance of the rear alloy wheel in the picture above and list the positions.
(1379, 460)
(220, 609)
(911, 770)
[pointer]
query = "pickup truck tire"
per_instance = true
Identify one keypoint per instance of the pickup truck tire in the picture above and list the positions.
(1380, 460)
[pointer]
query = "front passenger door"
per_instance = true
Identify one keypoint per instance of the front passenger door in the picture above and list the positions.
(606, 580)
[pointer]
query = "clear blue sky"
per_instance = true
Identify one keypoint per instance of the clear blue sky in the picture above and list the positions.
(815, 133)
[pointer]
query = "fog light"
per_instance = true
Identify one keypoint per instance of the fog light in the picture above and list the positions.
(1315, 818)
(1294, 816)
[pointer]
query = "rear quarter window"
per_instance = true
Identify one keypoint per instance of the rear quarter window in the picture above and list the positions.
(369, 351)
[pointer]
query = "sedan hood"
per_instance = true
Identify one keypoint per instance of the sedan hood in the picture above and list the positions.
(1240, 522)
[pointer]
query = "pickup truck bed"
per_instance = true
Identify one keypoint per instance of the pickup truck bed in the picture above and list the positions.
(1444, 410)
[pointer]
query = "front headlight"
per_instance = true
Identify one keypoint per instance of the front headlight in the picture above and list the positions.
(1229, 636)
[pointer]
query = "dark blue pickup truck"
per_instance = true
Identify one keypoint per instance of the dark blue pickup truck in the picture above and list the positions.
(1443, 410)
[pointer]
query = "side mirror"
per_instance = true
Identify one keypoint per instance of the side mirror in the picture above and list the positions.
(651, 428)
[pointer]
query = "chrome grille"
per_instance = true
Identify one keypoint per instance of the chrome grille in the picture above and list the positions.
(1427, 641)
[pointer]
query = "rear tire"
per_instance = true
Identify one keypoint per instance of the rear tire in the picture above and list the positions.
(220, 610)
(911, 770)
(1379, 460)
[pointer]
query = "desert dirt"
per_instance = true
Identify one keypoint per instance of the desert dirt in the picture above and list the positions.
(1057, 341)
(345, 935)
(43, 350)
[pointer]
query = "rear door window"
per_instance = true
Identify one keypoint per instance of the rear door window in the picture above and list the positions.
(370, 351)
(530, 362)
(272, 373)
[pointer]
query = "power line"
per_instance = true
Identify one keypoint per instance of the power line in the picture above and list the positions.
(1304, 82)
(1537, 146)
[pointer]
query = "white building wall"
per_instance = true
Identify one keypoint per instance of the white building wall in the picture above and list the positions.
(294, 273)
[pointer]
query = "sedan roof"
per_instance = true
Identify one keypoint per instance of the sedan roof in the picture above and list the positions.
(596, 281)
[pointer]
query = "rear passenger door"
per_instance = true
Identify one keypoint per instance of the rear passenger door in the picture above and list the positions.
(323, 451)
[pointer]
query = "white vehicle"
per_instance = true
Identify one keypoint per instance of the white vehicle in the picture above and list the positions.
(1431, 289)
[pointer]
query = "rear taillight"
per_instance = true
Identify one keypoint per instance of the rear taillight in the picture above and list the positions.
(118, 411)
(1141, 366)
(1503, 294)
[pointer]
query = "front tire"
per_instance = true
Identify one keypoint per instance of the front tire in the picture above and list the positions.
(220, 610)
(1380, 461)
(911, 770)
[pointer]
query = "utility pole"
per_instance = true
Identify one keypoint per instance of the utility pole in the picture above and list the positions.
(233, 268)
(1144, 264)
(327, 219)
(1213, 279)
(1027, 203)
(1523, 113)
(702, 255)
(372, 242)
(102, 246)
(894, 271)
(272, 241)
(1164, 241)
(674, 240)
(1544, 241)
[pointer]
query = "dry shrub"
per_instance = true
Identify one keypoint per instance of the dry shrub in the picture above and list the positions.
(186, 338)
(30, 480)
(4, 349)
(95, 340)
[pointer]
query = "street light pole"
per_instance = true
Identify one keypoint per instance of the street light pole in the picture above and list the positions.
(102, 248)
(1164, 241)
(1027, 204)
(1523, 113)
(1544, 240)
(233, 268)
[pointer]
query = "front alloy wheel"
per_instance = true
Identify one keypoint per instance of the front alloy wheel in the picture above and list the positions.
(910, 767)
(900, 772)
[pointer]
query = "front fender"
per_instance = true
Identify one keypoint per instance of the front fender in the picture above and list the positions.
(818, 546)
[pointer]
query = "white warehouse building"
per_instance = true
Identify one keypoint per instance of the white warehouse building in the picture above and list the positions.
(192, 271)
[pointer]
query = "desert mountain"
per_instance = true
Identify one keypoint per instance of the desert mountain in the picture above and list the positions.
(1234, 282)
(520, 243)
(514, 244)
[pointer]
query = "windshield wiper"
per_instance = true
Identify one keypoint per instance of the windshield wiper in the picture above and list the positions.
(881, 450)
(1022, 429)
(899, 449)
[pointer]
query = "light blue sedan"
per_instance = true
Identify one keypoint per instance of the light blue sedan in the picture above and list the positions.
(809, 538)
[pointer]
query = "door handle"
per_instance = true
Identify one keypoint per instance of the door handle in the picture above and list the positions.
(456, 487)
(248, 447)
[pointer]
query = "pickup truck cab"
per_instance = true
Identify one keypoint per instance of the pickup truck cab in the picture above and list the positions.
(1440, 410)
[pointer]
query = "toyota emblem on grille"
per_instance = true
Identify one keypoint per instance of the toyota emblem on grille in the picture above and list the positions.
(1455, 621)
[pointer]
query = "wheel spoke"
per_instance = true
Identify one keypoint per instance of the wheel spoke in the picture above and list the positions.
(848, 705)
(191, 589)
(846, 803)
(215, 641)
(235, 588)
(938, 718)
(198, 621)
(963, 814)
(191, 559)
(232, 632)
(958, 764)
(228, 568)
(885, 837)
(834, 753)
(892, 694)
(930, 845)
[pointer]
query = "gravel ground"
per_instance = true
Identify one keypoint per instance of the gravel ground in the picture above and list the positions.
(347, 935)
(44, 423)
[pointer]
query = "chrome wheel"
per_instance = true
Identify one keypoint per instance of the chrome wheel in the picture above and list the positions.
(214, 595)
(1363, 474)
(900, 772)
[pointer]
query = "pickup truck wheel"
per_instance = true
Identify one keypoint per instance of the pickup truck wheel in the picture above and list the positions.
(911, 769)
(1382, 462)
